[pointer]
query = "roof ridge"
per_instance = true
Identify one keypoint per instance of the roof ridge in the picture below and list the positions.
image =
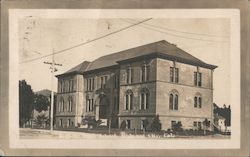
(131, 48)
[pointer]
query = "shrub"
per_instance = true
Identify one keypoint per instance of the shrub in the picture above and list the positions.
(156, 124)
(123, 125)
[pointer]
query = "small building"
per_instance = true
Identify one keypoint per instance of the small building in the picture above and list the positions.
(135, 85)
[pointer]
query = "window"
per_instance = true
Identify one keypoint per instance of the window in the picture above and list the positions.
(144, 124)
(61, 123)
(103, 81)
(174, 74)
(145, 73)
(61, 105)
(129, 74)
(195, 124)
(198, 78)
(129, 100)
(90, 84)
(173, 101)
(63, 86)
(90, 105)
(199, 125)
(197, 101)
(128, 124)
(144, 104)
(60, 86)
(68, 122)
(70, 85)
(195, 78)
(173, 123)
(171, 74)
(200, 102)
(70, 105)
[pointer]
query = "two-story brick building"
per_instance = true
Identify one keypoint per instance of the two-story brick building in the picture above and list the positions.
(136, 84)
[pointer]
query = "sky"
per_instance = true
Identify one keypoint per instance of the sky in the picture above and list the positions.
(205, 38)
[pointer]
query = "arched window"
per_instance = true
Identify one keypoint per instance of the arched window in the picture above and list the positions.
(144, 99)
(70, 104)
(129, 100)
(61, 105)
(197, 100)
(173, 100)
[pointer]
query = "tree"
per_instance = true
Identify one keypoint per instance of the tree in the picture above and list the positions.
(26, 97)
(123, 125)
(156, 124)
(177, 126)
(228, 117)
(41, 102)
(206, 125)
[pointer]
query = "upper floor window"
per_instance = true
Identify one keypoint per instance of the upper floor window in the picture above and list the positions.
(129, 73)
(90, 84)
(173, 101)
(129, 100)
(198, 78)
(144, 103)
(103, 81)
(66, 85)
(197, 101)
(174, 74)
(71, 85)
(62, 85)
(145, 73)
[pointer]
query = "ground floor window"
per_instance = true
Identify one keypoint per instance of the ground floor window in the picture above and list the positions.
(197, 125)
(68, 122)
(144, 124)
(173, 123)
(60, 122)
(128, 124)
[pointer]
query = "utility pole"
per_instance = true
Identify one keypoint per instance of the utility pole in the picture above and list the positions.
(53, 64)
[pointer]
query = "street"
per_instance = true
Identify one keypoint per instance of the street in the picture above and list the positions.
(28, 133)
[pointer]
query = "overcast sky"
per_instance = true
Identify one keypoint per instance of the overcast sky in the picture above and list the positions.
(206, 39)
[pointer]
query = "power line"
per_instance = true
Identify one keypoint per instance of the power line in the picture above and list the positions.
(171, 34)
(87, 42)
(179, 31)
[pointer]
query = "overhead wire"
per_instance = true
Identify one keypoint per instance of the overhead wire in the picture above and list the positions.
(171, 34)
(87, 42)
